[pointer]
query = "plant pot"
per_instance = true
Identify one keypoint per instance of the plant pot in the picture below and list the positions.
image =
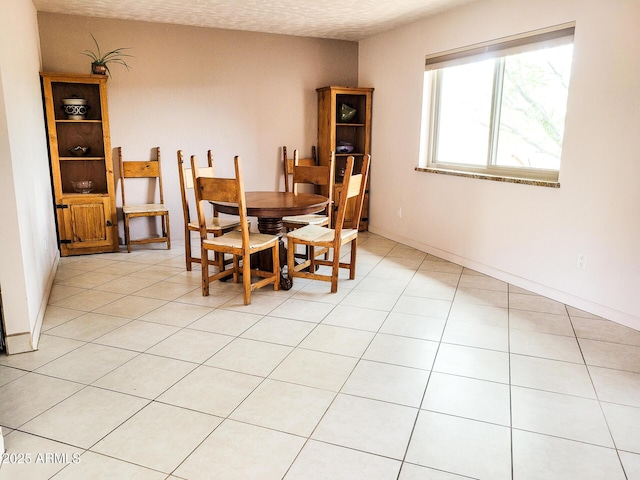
(98, 69)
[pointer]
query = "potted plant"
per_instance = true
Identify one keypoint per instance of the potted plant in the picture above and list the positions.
(100, 61)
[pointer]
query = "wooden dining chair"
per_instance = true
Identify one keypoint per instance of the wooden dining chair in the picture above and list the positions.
(321, 240)
(215, 225)
(149, 171)
(288, 163)
(239, 243)
(321, 179)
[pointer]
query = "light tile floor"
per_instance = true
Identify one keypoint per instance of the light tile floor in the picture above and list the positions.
(418, 369)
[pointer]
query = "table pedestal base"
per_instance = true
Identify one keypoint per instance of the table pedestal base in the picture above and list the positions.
(274, 226)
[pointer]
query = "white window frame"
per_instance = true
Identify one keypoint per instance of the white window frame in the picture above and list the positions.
(557, 35)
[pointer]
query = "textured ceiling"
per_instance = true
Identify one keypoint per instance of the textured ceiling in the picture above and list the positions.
(338, 19)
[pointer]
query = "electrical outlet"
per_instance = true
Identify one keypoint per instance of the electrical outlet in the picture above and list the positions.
(581, 262)
(399, 212)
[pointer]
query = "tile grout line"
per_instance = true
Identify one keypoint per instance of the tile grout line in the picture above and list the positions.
(595, 390)
(308, 439)
(424, 393)
(510, 379)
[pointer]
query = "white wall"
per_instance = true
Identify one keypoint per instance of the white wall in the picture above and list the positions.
(529, 236)
(28, 251)
(238, 93)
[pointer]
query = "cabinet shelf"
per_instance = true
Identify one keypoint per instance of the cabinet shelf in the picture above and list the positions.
(78, 121)
(77, 159)
(93, 194)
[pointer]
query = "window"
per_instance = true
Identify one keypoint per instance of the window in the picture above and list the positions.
(498, 109)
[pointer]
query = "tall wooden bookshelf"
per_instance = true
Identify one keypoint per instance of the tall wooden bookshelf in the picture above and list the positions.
(335, 133)
(86, 216)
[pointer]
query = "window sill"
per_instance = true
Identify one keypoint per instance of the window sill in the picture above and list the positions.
(495, 178)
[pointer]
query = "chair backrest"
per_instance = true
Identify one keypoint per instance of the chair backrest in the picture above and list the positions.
(288, 164)
(322, 177)
(207, 189)
(354, 186)
(150, 169)
(186, 181)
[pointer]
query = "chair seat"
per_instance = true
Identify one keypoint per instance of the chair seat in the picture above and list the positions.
(234, 240)
(216, 223)
(317, 234)
(307, 220)
(149, 207)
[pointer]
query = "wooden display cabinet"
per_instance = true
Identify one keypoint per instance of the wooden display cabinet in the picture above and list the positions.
(355, 131)
(86, 220)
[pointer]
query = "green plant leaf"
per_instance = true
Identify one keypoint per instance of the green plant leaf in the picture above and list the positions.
(113, 56)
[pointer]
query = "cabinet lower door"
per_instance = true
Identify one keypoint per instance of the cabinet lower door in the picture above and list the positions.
(85, 225)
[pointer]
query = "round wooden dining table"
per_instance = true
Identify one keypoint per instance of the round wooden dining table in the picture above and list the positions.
(270, 208)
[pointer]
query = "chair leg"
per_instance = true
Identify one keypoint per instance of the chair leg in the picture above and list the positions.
(127, 239)
(204, 255)
(219, 258)
(217, 254)
(236, 268)
(335, 269)
(168, 231)
(187, 248)
(312, 258)
(246, 279)
(276, 265)
(291, 261)
(352, 261)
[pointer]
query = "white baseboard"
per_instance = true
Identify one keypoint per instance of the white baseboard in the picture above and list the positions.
(544, 290)
(19, 343)
(44, 301)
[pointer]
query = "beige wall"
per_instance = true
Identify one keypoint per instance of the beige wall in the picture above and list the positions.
(529, 236)
(238, 93)
(28, 249)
